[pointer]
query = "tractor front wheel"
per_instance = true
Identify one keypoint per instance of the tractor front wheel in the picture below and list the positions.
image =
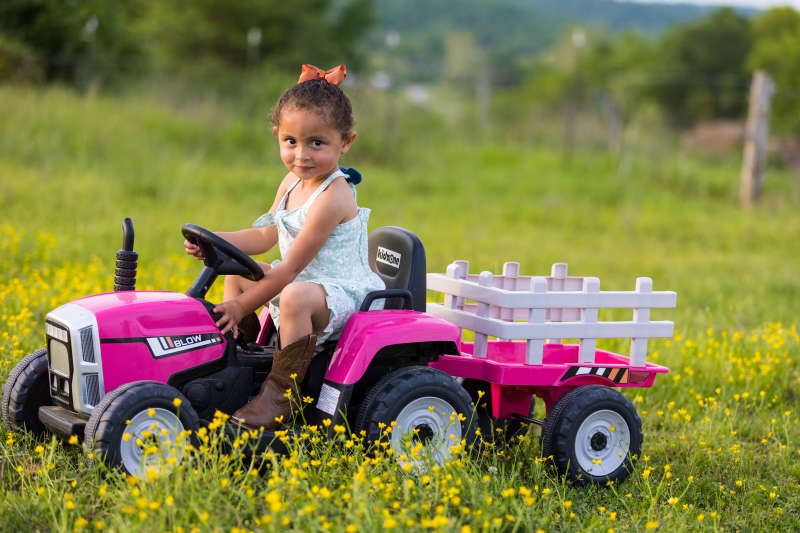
(26, 389)
(141, 425)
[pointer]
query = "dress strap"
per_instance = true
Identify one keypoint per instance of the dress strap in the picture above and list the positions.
(324, 185)
(282, 205)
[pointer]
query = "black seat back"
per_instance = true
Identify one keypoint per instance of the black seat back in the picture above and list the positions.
(398, 257)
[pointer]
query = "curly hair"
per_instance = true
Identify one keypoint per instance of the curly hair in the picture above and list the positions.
(319, 95)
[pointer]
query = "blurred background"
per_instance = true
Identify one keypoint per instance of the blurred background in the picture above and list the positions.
(570, 74)
(611, 135)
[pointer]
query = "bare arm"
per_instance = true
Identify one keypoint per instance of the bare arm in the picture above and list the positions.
(334, 206)
(252, 241)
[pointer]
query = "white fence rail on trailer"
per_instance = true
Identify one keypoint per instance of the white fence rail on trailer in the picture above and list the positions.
(535, 308)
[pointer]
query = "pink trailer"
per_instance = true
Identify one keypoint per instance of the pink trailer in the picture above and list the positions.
(592, 431)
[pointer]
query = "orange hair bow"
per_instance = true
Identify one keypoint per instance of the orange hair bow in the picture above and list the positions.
(335, 75)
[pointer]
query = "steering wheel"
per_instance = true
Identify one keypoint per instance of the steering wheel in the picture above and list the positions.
(220, 255)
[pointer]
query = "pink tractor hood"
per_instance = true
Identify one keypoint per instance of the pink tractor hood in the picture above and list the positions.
(151, 335)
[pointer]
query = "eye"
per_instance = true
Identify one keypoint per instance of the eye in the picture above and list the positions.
(290, 141)
(316, 143)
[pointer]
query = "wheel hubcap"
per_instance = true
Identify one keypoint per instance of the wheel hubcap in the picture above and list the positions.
(155, 440)
(602, 442)
(426, 427)
(423, 433)
(598, 441)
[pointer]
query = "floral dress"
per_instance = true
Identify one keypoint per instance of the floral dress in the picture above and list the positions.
(340, 266)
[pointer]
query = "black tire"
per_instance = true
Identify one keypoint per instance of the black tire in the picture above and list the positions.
(405, 396)
(547, 436)
(26, 389)
(108, 423)
(588, 424)
(489, 425)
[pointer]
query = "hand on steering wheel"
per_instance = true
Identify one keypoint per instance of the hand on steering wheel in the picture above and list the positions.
(220, 255)
(192, 249)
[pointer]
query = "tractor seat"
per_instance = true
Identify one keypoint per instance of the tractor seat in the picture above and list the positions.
(398, 257)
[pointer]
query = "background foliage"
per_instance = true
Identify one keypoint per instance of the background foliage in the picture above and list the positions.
(627, 55)
(565, 143)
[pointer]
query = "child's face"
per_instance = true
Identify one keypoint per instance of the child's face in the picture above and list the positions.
(310, 145)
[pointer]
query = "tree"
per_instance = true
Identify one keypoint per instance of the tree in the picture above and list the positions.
(701, 69)
(776, 49)
(287, 34)
(619, 66)
(80, 41)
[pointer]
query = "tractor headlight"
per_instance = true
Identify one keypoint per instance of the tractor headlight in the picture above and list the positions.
(59, 358)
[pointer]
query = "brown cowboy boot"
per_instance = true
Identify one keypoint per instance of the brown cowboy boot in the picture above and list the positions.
(272, 401)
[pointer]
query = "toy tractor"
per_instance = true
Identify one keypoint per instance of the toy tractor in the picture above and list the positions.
(126, 364)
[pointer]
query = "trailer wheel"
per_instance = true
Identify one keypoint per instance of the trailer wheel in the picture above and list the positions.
(428, 407)
(495, 430)
(593, 434)
(26, 389)
(138, 426)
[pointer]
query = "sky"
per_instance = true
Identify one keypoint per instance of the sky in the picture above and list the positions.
(760, 4)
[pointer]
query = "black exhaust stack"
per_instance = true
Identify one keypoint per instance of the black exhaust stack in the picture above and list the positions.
(127, 259)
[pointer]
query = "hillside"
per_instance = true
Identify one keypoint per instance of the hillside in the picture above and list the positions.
(508, 32)
(619, 15)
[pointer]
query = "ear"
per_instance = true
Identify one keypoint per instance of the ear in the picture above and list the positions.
(348, 141)
(275, 131)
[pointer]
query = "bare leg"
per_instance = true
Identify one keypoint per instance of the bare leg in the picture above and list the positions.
(236, 285)
(303, 311)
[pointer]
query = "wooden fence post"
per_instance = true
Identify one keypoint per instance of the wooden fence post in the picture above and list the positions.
(507, 282)
(456, 270)
(589, 318)
(534, 348)
(462, 270)
(481, 339)
(755, 139)
(558, 275)
(641, 315)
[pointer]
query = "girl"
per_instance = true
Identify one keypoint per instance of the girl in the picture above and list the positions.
(322, 234)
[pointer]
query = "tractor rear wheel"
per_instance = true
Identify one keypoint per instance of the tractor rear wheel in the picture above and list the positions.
(431, 412)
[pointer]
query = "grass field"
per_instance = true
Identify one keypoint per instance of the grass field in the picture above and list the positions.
(722, 438)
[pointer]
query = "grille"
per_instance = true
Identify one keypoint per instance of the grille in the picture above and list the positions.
(91, 389)
(87, 344)
(75, 358)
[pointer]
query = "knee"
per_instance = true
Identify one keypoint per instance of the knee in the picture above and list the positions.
(294, 299)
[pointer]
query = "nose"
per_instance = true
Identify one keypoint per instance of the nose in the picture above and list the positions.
(303, 152)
